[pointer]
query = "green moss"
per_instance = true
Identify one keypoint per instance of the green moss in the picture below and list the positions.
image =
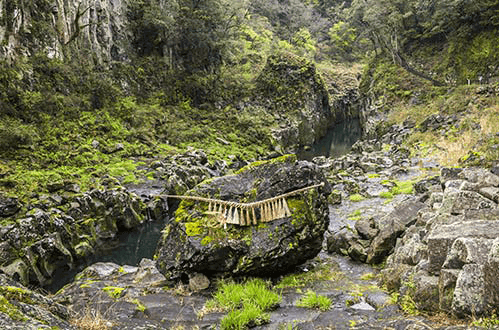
(290, 158)
(320, 273)
(355, 215)
(12, 311)
(356, 198)
(193, 229)
(299, 210)
(15, 293)
(206, 240)
(386, 194)
(113, 291)
(140, 306)
(87, 284)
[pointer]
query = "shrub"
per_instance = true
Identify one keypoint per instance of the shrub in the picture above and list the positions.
(14, 134)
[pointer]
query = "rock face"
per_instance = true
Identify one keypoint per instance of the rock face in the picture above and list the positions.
(53, 26)
(196, 243)
(448, 258)
(59, 230)
(294, 92)
(128, 297)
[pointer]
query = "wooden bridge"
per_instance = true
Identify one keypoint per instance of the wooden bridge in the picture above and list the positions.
(245, 214)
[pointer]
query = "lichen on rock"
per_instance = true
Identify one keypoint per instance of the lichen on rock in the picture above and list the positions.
(197, 243)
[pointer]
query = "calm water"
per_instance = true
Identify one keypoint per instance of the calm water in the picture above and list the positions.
(337, 141)
(128, 249)
(131, 246)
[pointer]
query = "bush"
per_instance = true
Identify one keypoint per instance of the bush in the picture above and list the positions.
(14, 134)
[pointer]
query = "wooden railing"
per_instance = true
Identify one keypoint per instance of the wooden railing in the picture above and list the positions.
(245, 214)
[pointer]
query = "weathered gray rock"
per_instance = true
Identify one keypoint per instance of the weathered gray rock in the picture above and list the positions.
(491, 193)
(129, 297)
(366, 228)
(479, 178)
(442, 237)
(198, 282)
(9, 206)
(467, 250)
(454, 243)
(410, 249)
(470, 294)
(426, 291)
(392, 226)
(22, 308)
(446, 285)
(195, 244)
(102, 29)
(458, 201)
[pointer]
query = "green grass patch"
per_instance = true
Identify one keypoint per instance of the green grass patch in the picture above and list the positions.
(313, 300)
(246, 303)
(356, 198)
(386, 194)
(368, 277)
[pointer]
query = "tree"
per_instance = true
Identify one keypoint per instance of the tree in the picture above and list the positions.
(390, 25)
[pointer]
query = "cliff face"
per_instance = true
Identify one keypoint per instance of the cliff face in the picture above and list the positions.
(60, 28)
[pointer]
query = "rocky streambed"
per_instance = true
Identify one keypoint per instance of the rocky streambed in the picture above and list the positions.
(429, 232)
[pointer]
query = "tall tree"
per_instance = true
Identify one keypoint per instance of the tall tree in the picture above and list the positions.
(390, 24)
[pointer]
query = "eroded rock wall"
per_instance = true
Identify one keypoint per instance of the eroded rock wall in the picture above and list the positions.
(96, 28)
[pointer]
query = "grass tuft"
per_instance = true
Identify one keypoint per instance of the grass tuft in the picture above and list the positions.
(246, 303)
(356, 198)
(313, 300)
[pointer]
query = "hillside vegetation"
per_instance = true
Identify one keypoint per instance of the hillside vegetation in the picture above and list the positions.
(190, 80)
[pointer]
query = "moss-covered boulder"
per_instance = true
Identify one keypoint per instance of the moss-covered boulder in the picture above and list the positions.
(196, 242)
(292, 89)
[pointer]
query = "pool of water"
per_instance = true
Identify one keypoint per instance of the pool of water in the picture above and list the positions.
(337, 141)
(128, 249)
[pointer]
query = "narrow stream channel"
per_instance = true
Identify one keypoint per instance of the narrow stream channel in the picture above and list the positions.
(133, 245)
(337, 141)
(129, 248)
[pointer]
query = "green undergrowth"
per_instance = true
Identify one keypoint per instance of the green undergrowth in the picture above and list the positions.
(471, 139)
(247, 304)
(399, 187)
(313, 300)
(112, 143)
(321, 273)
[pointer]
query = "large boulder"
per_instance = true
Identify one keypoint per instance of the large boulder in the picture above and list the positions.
(296, 95)
(195, 242)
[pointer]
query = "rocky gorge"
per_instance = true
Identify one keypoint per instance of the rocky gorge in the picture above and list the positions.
(188, 118)
(438, 242)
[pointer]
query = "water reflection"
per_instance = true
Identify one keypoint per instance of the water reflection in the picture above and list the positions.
(337, 141)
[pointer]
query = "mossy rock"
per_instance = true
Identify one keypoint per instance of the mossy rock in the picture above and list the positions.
(197, 242)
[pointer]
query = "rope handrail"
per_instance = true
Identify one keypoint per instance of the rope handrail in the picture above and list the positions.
(239, 213)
